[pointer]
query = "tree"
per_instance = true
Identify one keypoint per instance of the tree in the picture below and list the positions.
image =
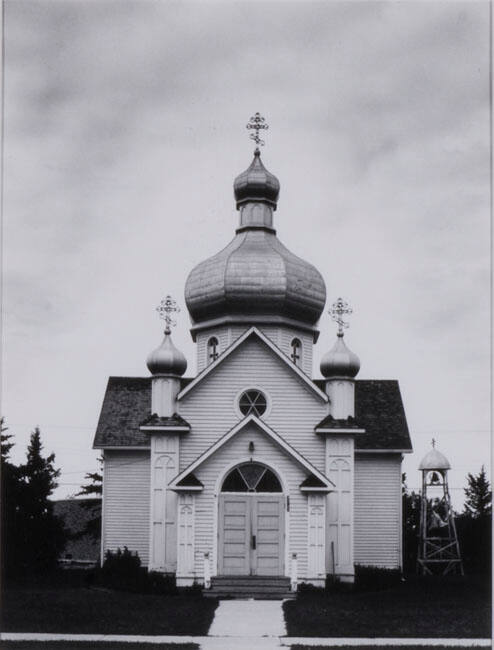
(94, 487)
(35, 537)
(474, 525)
(10, 490)
(478, 496)
(411, 526)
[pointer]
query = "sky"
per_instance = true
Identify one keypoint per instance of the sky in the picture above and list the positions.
(124, 128)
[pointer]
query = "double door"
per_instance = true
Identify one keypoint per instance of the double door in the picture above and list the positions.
(251, 534)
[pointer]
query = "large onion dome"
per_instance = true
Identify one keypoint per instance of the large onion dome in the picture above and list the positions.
(256, 184)
(166, 359)
(255, 278)
(434, 460)
(340, 361)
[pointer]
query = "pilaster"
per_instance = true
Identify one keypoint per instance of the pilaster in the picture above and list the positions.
(340, 470)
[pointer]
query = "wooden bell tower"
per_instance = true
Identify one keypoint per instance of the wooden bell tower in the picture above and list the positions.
(439, 551)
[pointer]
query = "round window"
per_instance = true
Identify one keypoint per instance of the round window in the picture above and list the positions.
(252, 401)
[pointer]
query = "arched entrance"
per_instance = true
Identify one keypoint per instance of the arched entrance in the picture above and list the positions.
(251, 522)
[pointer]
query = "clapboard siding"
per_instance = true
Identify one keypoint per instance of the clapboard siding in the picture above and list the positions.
(268, 452)
(281, 336)
(377, 540)
(223, 336)
(126, 502)
(294, 408)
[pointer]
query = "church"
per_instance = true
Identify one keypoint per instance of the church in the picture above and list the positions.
(253, 467)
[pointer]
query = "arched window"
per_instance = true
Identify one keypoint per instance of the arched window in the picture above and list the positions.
(296, 354)
(252, 401)
(212, 349)
(251, 477)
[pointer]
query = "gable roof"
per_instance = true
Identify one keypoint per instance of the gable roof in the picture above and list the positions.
(253, 331)
(378, 409)
(281, 442)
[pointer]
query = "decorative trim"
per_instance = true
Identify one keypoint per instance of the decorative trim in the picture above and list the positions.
(247, 320)
(383, 451)
(339, 431)
(124, 447)
(266, 429)
(164, 429)
(254, 331)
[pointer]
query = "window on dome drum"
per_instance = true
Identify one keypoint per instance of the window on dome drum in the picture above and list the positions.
(252, 401)
(296, 346)
(251, 477)
(213, 353)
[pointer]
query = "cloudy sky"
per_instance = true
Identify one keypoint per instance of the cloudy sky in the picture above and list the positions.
(124, 129)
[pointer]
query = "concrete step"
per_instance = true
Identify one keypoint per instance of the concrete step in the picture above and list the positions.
(208, 593)
(258, 587)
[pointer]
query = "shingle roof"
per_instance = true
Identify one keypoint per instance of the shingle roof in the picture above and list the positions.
(156, 421)
(330, 422)
(378, 410)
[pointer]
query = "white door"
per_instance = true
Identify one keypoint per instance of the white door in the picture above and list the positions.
(251, 532)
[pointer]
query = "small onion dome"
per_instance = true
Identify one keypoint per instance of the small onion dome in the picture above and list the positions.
(340, 361)
(166, 360)
(434, 460)
(256, 184)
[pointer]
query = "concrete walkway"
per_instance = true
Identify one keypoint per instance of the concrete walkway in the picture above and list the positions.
(246, 618)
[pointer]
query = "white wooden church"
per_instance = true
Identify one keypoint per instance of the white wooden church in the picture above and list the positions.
(252, 467)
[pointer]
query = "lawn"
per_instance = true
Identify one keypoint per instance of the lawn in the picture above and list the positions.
(95, 645)
(82, 610)
(420, 608)
(387, 647)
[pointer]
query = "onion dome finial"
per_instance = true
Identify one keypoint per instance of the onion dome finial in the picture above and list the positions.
(340, 361)
(434, 460)
(256, 183)
(167, 359)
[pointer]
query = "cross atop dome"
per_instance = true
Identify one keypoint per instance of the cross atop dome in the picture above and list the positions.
(165, 309)
(337, 310)
(257, 123)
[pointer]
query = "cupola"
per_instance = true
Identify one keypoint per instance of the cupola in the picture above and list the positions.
(256, 184)
(166, 359)
(255, 279)
(339, 366)
(167, 365)
(340, 361)
(434, 460)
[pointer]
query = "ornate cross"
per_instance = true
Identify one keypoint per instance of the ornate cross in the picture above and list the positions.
(337, 310)
(433, 441)
(167, 307)
(257, 123)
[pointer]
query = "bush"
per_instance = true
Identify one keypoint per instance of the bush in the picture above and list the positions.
(373, 578)
(122, 570)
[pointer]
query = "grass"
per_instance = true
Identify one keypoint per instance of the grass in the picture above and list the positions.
(95, 645)
(420, 608)
(82, 610)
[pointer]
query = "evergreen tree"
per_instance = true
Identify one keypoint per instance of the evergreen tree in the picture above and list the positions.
(478, 496)
(5, 444)
(39, 535)
(411, 526)
(10, 490)
(93, 487)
